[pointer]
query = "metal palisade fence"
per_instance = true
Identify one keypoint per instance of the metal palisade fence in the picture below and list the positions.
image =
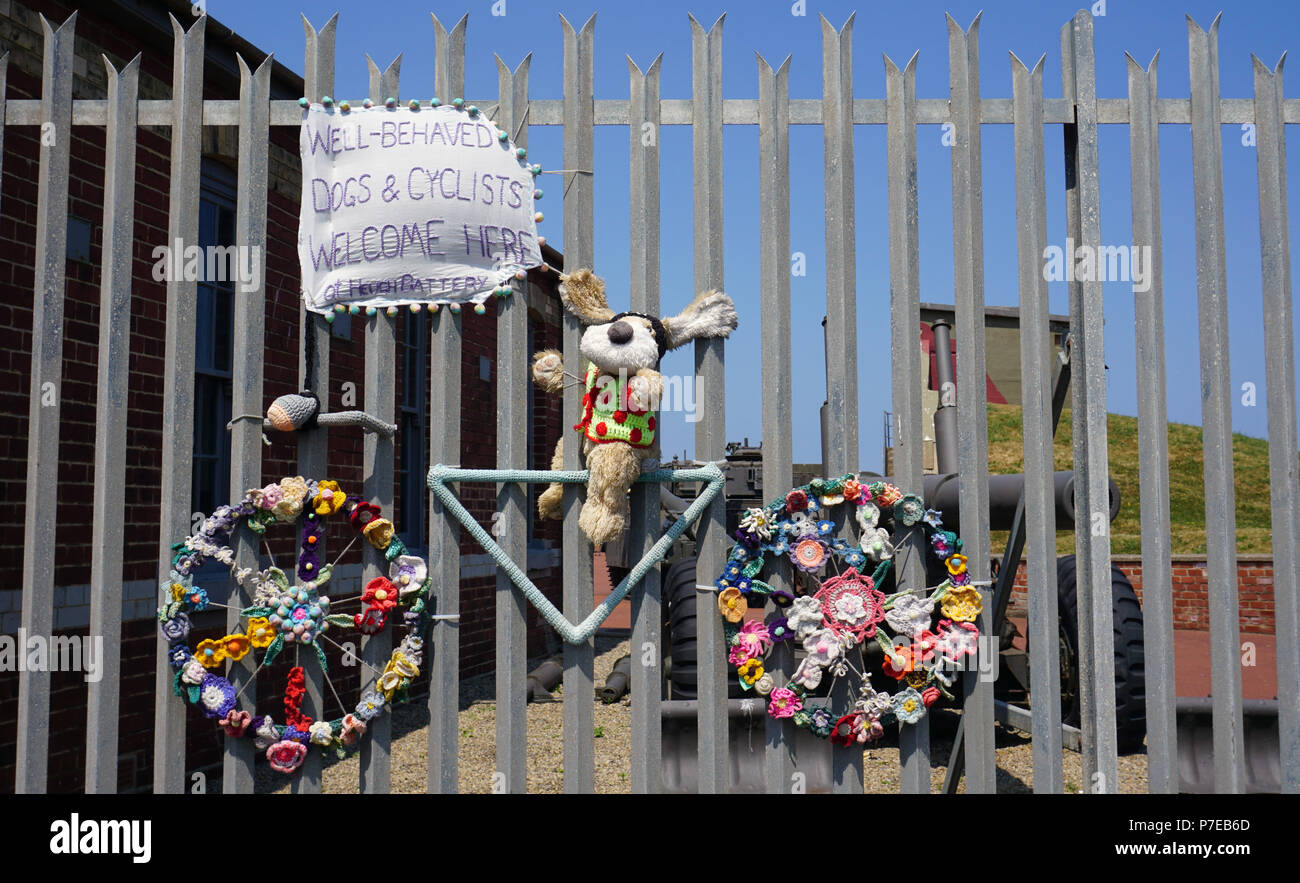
(1080, 112)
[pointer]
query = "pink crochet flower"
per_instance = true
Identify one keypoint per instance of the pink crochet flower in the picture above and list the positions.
(286, 756)
(754, 639)
(235, 722)
(851, 604)
(784, 702)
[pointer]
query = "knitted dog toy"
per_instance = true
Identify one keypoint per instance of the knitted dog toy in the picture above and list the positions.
(622, 390)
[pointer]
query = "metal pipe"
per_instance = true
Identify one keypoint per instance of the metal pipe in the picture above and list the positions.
(941, 492)
(945, 415)
(620, 678)
(543, 679)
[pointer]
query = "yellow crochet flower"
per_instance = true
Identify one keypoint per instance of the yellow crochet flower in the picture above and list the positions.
(957, 564)
(732, 605)
(210, 653)
(329, 498)
(288, 509)
(260, 632)
(178, 591)
(380, 532)
(295, 488)
(236, 646)
(962, 604)
(750, 671)
(401, 664)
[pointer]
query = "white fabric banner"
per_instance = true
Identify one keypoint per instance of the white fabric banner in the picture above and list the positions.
(409, 206)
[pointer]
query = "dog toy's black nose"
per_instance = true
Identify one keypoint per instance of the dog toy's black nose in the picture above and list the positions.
(620, 332)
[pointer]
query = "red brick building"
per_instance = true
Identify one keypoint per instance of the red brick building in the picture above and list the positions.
(119, 31)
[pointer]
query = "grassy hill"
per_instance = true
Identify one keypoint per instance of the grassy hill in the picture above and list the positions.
(1186, 481)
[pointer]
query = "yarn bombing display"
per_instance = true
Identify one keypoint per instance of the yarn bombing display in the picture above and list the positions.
(846, 609)
(287, 613)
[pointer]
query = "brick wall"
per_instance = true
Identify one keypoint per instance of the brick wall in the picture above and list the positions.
(97, 31)
(1191, 601)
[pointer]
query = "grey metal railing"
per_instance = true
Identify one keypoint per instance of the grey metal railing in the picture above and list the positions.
(1080, 112)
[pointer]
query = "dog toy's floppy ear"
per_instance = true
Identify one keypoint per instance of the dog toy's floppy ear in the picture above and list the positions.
(583, 294)
(711, 314)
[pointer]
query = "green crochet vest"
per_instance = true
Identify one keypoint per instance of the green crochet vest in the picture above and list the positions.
(604, 421)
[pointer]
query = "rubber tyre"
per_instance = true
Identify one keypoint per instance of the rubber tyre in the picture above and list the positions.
(681, 598)
(1130, 664)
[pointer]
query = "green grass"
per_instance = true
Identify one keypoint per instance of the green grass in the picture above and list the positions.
(1186, 482)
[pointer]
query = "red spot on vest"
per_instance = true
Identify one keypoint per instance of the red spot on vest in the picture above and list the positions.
(620, 416)
(650, 423)
(601, 428)
(635, 436)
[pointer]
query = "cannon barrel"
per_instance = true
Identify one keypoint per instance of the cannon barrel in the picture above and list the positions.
(1004, 494)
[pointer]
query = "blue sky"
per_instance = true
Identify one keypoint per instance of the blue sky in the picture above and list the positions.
(1027, 27)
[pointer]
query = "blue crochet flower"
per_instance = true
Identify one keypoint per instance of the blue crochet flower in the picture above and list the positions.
(179, 655)
(216, 696)
(825, 527)
(933, 519)
(196, 599)
(854, 557)
(731, 570)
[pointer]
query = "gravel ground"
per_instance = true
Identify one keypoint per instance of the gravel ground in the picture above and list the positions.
(612, 748)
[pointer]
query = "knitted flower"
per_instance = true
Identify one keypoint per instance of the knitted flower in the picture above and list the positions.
(823, 647)
(750, 671)
(910, 509)
(758, 522)
(809, 554)
(363, 513)
(764, 685)
(371, 620)
(851, 490)
(957, 564)
(886, 494)
(779, 630)
(754, 638)
(808, 675)
(933, 519)
(370, 706)
(300, 614)
(956, 640)
(379, 592)
(851, 605)
(321, 733)
(876, 544)
(271, 494)
(286, 756)
(353, 729)
(177, 586)
(408, 573)
(849, 729)
(177, 628)
(216, 695)
(910, 614)
(264, 734)
(235, 723)
(796, 501)
(329, 498)
(732, 605)
(962, 604)
(193, 672)
(294, 488)
(211, 653)
(820, 721)
(801, 524)
(943, 542)
(783, 702)
(236, 646)
(287, 509)
(804, 617)
(260, 632)
(179, 656)
(906, 660)
(908, 706)
(196, 599)
(380, 532)
(854, 557)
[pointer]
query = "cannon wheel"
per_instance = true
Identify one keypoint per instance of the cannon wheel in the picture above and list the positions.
(681, 597)
(1130, 666)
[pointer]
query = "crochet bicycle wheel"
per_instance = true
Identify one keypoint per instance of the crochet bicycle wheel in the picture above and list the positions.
(293, 613)
(841, 607)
